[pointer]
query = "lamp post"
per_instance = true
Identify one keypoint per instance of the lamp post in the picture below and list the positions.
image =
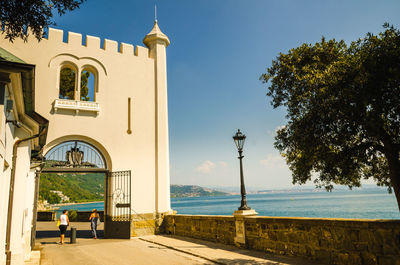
(239, 139)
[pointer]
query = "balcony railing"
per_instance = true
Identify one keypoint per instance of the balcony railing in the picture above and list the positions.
(77, 105)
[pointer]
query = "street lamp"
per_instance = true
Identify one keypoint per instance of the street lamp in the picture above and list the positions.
(239, 139)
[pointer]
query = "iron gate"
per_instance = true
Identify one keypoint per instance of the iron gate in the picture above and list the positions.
(118, 205)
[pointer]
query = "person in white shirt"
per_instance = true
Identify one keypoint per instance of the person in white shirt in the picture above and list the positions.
(64, 223)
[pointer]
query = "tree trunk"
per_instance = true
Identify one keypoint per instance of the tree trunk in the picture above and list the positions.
(394, 179)
(392, 155)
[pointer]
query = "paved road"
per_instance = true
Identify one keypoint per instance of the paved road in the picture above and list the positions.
(110, 252)
(160, 250)
(88, 251)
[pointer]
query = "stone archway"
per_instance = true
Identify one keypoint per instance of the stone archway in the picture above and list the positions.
(81, 138)
(80, 154)
(75, 156)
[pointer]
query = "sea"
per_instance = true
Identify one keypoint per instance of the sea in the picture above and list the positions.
(374, 203)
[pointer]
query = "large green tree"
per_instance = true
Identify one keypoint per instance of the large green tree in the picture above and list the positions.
(343, 110)
(17, 16)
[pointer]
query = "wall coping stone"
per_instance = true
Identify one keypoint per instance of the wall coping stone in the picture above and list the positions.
(283, 218)
(201, 216)
(325, 219)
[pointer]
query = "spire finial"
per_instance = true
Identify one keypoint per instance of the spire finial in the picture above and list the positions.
(155, 33)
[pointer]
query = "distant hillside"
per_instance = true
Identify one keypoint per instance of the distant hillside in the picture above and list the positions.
(86, 187)
(193, 191)
(82, 187)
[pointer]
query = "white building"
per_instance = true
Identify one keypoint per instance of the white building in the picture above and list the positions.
(18, 123)
(124, 121)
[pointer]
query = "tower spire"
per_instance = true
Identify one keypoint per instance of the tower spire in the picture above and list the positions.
(155, 35)
(155, 13)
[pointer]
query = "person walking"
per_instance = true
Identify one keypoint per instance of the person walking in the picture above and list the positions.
(64, 223)
(94, 218)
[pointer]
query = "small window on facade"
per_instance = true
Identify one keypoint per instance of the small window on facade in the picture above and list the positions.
(67, 83)
(87, 86)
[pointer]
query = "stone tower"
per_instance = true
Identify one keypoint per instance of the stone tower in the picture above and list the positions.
(157, 42)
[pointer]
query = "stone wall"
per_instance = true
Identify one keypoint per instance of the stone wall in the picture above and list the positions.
(45, 216)
(143, 224)
(220, 229)
(332, 241)
(82, 216)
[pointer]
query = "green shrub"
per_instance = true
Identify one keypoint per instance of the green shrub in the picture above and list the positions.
(72, 215)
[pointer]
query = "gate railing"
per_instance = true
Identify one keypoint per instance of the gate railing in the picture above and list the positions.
(118, 191)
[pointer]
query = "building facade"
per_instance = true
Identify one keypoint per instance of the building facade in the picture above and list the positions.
(22, 133)
(125, 117)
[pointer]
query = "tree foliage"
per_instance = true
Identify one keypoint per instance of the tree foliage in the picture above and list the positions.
(67, 83)
(84, 85)
(51, 197)
(18, 16)
(343, 110)
(78, 187)
(73, 215)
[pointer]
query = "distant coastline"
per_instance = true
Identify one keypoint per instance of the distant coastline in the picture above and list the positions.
(72, 203)
(194, 191)
(181, 191)
(360, 203)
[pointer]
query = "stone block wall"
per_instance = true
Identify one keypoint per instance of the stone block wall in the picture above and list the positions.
(82, 216)
(219, 229)
(330, 241)
(143, 224)
(334, 241)
(46, 216)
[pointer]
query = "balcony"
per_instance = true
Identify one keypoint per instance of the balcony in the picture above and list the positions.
(77, 105)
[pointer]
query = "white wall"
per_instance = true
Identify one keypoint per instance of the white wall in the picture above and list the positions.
(129, 72)
(4, 193)
(29, 205)
(23, 189)
(6, 141)
(19, 217)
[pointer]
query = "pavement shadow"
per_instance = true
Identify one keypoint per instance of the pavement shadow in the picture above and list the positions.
(241, 262)
(272, 258)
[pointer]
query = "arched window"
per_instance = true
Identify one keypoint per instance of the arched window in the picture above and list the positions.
(87, 85)
(67, 83)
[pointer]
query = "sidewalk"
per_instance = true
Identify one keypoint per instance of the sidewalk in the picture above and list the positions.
(147, 250)
(113, 252)
(219, 253)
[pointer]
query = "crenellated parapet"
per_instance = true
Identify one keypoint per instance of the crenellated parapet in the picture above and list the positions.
(91, 42)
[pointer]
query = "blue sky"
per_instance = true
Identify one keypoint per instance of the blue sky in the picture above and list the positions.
(218, 50)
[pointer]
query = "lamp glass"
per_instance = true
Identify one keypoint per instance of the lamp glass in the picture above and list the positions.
(239, 139)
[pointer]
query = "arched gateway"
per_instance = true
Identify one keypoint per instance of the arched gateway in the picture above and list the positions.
(106, 107)
(75, 156)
